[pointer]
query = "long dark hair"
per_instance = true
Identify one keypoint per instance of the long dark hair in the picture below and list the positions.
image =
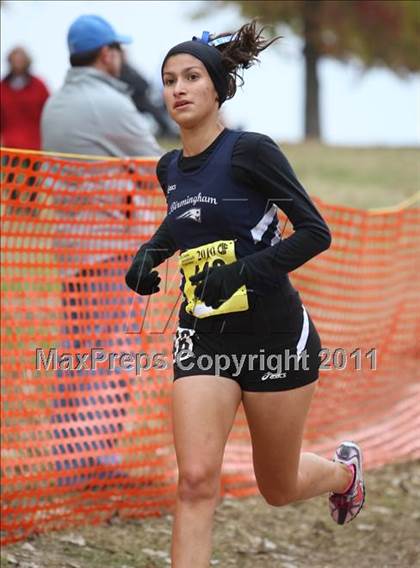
(242, 52)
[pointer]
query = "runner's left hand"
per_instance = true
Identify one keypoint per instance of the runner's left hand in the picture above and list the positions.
(217, 284)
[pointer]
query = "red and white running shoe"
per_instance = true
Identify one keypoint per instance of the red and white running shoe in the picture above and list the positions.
(344, 507)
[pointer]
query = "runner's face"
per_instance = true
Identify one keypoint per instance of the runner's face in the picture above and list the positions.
(189, 93)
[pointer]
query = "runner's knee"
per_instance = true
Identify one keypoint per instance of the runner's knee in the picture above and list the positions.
(279, 496)
(276, 499)
(198, 483)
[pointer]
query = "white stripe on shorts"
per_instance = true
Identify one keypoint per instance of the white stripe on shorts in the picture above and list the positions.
(304, 334)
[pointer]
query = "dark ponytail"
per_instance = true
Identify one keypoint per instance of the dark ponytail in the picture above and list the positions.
(241, 52)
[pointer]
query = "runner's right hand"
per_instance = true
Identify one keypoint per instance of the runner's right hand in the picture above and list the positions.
(141, 278)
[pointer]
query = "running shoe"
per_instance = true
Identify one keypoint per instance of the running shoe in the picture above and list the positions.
(344, 507)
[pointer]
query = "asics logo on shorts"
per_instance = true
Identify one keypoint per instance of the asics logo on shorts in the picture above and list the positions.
(194, 214)
(273, 376)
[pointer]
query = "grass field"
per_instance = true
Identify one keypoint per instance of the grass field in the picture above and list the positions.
(251, 534)
(359, 177)
(364, 178)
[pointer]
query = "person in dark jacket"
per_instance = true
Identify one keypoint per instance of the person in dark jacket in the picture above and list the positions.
(141, 98)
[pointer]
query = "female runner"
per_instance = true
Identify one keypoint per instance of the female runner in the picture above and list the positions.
(243, 335)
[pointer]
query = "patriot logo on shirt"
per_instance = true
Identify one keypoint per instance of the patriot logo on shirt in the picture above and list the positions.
(194, 214)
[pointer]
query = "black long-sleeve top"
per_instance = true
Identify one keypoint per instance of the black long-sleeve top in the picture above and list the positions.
(259, 163)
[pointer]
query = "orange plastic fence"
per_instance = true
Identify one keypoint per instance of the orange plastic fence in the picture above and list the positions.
(80, 444)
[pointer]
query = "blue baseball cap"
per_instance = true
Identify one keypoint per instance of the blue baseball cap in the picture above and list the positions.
(92, 32)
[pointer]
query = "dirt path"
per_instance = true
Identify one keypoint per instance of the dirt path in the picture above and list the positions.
(250, 534)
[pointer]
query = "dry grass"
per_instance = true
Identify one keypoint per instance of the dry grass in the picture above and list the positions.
(359, 177)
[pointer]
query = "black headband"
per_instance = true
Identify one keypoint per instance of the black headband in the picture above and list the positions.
(212, 61)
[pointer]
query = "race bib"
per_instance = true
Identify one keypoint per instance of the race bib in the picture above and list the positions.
(183, 344)
(206, 256)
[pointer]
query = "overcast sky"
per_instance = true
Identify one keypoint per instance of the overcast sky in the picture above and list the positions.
(358, 108)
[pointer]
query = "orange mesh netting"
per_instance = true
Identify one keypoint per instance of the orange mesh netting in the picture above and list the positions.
(81, 444)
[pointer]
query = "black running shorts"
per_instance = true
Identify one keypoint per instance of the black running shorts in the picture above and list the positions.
(258, 362)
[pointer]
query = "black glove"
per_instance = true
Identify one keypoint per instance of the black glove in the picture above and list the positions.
(217, 284)
(140, 276)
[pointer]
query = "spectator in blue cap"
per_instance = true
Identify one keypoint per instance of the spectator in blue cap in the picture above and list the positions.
(93, 112)
(89, 33)
(92, 40)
